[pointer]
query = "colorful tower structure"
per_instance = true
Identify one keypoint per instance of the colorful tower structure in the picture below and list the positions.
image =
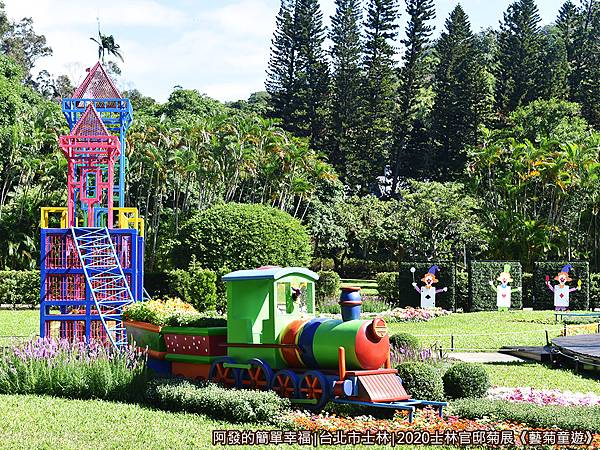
(92, 255)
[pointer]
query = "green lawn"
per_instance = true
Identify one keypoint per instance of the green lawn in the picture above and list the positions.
(367, 287)
(24, 322)
(540, 376)
(480, 331)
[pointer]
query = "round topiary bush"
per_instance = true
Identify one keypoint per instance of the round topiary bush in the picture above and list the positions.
(406, 341)
(422, 381)
(242, 236)
(466, 380)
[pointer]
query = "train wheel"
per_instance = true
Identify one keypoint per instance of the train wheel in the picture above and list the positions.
(285, 384)
(258, 376)
(226, 376)
(313, 386)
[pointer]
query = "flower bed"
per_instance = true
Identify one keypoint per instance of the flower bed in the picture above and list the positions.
(544, 397)
(448, 429)
(64, 368)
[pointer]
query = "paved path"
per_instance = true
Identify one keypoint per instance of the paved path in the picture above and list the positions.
(482, 357)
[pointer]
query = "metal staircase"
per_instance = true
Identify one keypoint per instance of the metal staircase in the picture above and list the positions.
(105, 279)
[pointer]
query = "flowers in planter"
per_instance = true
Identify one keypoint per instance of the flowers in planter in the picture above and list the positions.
(544, 397)
(171, 312)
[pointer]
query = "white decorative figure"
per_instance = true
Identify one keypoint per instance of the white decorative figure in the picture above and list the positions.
(428, 291)
(562, 290)
(503, 290)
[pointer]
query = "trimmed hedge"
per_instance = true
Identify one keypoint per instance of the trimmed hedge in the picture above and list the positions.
(233, 405)
(466, 380)
(594, 290)
(527, 293)
(421, 380)
(544, 297)
(582, 418)
(462, 289)
(328, 285)
(243, 236)
(410, 297)
(20, 287)
(481, 295)
(387, 286)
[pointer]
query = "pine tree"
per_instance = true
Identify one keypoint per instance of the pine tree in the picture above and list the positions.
(378, 92)
(346, 83)
(462, 94)
(281, 73)
(585, 75)
(519, 67)
(567, 22)
(412, 81)
(553, 81)
(297, 78)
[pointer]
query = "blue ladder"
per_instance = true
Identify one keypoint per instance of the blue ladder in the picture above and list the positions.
(105, 279)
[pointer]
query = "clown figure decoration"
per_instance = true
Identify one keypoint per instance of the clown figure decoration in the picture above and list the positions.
(503, 290)
(562, 290)
(428, 290)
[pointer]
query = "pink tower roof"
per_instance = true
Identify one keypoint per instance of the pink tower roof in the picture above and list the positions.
(90, 124)
(97, 84)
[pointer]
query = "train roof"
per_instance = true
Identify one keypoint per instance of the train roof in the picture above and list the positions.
(272, 273)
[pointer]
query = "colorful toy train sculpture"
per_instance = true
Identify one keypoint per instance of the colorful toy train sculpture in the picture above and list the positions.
(274, 341)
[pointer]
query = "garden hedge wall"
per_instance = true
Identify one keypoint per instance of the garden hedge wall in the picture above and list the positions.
(20, 287)
(446, 276)
(544, 298)
(481, 296)
(594, 290)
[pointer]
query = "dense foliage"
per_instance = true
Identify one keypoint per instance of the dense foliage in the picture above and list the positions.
(241, 236)
(328, 285)
(20, 287)
(196, 286)
(217, 402)
(405, 340)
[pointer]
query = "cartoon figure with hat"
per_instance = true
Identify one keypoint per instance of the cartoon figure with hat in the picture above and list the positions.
(503, 290)
(428, 291)
(562, 290)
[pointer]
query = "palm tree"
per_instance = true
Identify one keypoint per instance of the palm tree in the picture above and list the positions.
(106, 44)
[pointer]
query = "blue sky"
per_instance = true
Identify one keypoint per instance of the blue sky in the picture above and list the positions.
(220, 47)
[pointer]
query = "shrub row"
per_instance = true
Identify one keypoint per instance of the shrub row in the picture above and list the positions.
(220, 403)
(20, 287)
(583, 418)
(328, 285)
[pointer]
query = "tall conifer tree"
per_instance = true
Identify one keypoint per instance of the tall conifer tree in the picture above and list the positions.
(297, 78)
(519, 69)
(462, 94)
(378, 91)
(346, 54)
(412, 80)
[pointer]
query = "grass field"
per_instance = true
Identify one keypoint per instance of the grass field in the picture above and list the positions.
(24, 322)
(540, 376)
(488, 330)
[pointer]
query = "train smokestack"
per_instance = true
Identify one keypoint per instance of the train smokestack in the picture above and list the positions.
(350, 303)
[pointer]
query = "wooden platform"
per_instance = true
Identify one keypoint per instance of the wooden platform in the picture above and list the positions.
(583, 349)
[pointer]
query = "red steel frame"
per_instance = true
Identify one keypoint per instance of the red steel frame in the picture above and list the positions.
(90, 154)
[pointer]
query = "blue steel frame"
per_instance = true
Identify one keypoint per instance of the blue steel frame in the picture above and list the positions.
(117, 115)
(135, 272)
